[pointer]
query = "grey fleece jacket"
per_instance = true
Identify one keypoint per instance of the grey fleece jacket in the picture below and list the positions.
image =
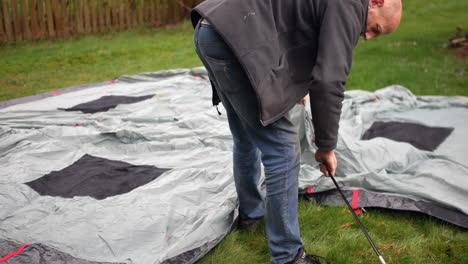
(289, 48)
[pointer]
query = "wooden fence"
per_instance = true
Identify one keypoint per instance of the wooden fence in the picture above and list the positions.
(45, 19)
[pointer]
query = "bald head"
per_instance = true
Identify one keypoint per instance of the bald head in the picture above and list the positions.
(383, 18)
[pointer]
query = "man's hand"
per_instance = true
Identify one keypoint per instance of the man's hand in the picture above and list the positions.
(327, 161)
(303, 101)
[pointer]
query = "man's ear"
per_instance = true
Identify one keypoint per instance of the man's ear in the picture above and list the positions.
(376, 3)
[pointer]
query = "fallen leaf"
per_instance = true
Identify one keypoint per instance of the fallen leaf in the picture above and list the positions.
(345, 225)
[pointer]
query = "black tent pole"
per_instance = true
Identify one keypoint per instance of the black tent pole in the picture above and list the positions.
(358, 221)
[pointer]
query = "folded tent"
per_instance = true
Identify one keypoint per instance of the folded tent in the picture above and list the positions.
(138, 169)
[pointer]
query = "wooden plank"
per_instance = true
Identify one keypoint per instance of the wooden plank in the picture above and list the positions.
(114, 15)
(146, 13)
(57, 18)
(87, 16)
(122, 14)
(189, 4)
(178, 10)
(3, 36)
(171, 12)
(134, 13)
(108, 20)
(16, 21)
(33, 14)
(79, 16)
(152, 8)
(41, 19)
(50, 18)
(25, 21)
(101, 15)
(65, 18)
(7, 21)
(165, 13)
(128, 17)
(94, 18)
(182, 8)
(160, 12)
(140, 10)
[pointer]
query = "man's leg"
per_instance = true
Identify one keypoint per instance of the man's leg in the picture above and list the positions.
(278, 142)
(246, 156)
(247, 171)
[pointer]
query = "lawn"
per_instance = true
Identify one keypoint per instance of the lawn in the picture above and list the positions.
(416, 56)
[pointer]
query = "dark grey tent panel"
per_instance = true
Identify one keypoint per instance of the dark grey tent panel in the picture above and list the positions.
(362, 198)
(96, 177)
(106, 102)
(193, 255)
(420, 136)
(145, 213)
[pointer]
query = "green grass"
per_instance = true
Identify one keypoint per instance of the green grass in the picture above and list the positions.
(402, 237)
(416, 56)
(29, 68)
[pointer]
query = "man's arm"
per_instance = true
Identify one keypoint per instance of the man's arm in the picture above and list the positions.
(339, 33)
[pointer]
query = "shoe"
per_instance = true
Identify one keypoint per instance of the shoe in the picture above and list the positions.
(248, 224)
(303, 258)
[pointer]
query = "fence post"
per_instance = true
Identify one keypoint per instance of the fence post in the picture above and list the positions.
(25, 21)
(94, 20)
(122, 14)
(7, 21)
(33, 19)
(146, 11)
(33, 15)
(87, 16)
(41, 19)
(109, 15)
(140, 6)
(101, 15)
(113, 24)
(57, 18)
(50, 18)
(133, 7)
(128, 9)
(65, 18)
(3, 37)
(152, 12)
(16, 21)
(79, 16)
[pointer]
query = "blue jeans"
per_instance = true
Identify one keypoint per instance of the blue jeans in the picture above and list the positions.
(275, 145)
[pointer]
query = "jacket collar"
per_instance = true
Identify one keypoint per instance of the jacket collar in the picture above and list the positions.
(365, 5)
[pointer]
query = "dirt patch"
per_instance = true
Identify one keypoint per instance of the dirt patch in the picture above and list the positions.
(458, 45)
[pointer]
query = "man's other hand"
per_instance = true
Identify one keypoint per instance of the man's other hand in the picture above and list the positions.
(303, 101)
(327, 161)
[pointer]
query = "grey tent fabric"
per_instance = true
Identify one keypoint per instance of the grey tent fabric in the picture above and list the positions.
(184, 212)
(185, 208)
(386, 166)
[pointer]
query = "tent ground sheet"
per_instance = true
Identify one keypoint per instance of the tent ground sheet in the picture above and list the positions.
(138, 169)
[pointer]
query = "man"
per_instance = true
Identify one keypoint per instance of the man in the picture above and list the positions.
(263, 56)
